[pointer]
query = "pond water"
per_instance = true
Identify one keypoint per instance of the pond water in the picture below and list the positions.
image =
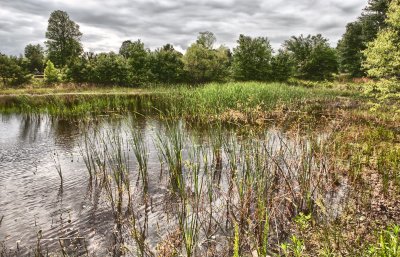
(31, 197)
(36, 206)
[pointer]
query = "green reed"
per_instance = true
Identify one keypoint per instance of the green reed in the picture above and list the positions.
(170, 146)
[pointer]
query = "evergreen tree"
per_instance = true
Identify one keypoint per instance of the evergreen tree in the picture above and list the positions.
(63, 39)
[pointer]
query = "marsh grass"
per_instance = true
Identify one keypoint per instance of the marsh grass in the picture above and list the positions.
(246, 102)
(237, 194)
(170, 146)
(233, 194)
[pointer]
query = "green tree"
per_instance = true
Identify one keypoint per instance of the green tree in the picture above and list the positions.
(358, 34)
(312, 56)
(349, 50)
(51, 73)
(206, 39)
(35, 56)
(204, 64)
(138, 57)
(80, 70)
(252, 59)
(383, 54)
(111, 68)
(282, 66)
(166, 65)
(12, 74)
(63, 39)
(373, 19)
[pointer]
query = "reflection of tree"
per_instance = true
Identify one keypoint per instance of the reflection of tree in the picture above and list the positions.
(65, 132)
(30, 127)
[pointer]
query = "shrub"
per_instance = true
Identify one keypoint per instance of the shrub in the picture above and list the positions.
(51, 74)
(11, 73)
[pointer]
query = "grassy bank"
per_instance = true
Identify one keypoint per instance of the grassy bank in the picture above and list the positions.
(68, 89)
(244, 102)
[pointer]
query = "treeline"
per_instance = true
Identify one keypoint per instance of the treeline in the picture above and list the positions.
(303, 57)
(362, 51)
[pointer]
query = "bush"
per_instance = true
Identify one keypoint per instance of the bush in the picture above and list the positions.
(11, 73)
(112, 69)
(51, 74)
(384, 91)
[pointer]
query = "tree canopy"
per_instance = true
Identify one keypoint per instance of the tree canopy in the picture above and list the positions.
(252, 59)
(35, 56)
(383, 54)
(312, 56)
(63, 39)
(358, 34)
(369, 46)
(138, 57)
(12, 73)
(204, 63)
(166, 65)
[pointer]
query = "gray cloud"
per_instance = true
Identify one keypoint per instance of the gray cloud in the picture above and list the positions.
(105, 24)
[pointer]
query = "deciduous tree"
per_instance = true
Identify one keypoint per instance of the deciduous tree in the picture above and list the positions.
(252, 59)
(383, 54)
(138, 57)
(204, 64)
(35, 56)
(313, 57)
(166, 65)
(51, 73)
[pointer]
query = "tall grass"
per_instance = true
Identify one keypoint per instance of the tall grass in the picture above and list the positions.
(197, 103)
(170, 146)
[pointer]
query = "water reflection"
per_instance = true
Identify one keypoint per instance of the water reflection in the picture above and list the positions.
(32, 198)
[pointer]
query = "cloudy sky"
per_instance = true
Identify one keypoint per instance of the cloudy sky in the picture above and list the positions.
(105, 24)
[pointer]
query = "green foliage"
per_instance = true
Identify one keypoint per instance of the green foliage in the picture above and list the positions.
(111, 68)
(293, 248)
(81, 69)
(373, 18)
(12, 72)
(282, 66)
(383, 54)
(349, 50)
(137, 56)
(203, 64)
(303, 221)
(252, 59)
(206, 39)
(35, 56)
(358, 34)
(313, 57)
(166, 65)
(388, 244)
(51, 74)
(63, 39)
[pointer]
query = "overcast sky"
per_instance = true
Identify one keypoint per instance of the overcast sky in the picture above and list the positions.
(106, 24)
